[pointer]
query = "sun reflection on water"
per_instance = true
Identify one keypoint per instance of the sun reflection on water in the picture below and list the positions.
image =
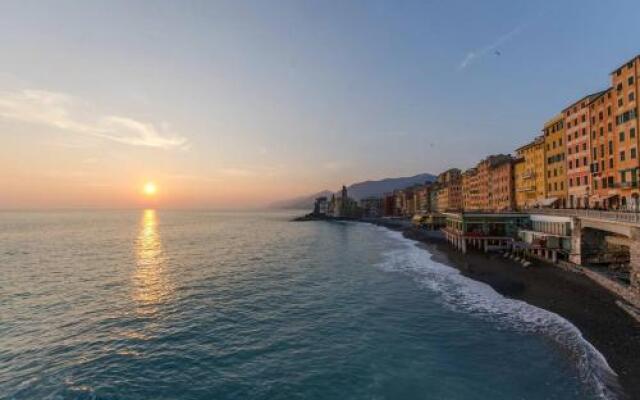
(151, 286)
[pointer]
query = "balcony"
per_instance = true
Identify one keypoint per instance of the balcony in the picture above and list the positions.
(629, 217)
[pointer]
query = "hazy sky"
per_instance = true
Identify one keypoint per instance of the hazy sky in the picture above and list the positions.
(238, 103)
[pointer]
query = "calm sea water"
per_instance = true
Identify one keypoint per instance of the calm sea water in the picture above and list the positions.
(209, 305)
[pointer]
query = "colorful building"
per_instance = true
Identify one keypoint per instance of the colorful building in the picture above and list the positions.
(449, 196)
(530, 182)
(604, 193)
(502, 185)
(577, 122)
(555, 160)
(625, 109)
(489, 186)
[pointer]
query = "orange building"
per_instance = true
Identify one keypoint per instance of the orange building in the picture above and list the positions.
(449, 197)
(604, 193)
(489, 186)
(502, 186)
(577, 123)
(625, 110)
(471, 190)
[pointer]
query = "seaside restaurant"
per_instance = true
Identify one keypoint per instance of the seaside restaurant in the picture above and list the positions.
(489, 231)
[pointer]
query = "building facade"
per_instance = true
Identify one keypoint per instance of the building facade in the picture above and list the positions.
(502, 186)
(577, 121)
(625, 109)
(449, 195)
(555, 160)
(604, 193)
(531, 180)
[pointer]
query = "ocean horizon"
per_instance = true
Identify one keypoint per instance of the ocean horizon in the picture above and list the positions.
(201, 305)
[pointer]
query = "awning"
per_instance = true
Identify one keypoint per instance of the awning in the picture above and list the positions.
(548, 202)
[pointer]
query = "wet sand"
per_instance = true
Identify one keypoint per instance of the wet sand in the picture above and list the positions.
(575, 297)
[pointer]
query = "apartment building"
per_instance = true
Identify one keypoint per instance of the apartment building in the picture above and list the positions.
(577, 121)
(530, 183)
(604, 193)
(625, 109)
(555, 160)
(489, 186)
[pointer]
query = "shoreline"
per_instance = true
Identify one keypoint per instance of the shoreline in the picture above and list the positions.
(576, 298)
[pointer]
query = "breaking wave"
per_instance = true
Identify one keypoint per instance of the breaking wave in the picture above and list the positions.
(462, 294)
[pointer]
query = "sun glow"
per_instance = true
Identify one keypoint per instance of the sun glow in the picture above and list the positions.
(149, 189)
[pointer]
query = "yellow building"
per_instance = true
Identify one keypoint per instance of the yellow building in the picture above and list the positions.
(555, 162)
(531, 178)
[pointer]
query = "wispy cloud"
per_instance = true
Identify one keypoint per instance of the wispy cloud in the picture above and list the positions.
(336, 165)
(253, 171)
(68, 113)
(476, 54)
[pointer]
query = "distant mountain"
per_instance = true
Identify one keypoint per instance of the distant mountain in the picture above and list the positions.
(364, 189)
(358, 190)
(302, 202)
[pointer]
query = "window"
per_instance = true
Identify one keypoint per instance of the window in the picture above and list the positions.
(623, 176)
(601, 131)
(600, 116)
(595, 184)
(584, 118)
(610, 181)
(609, 110)
(570, 182)
(634, 153)
(577, 148)
(584, 161)
(570, 164)
(561, 185)
(584, 146)
(632, 133)
(560, 142)
(604, 183)
(622, 136)
(622, 155)
(584, 131)
(632, 96)
(595, 153)
(555, 172)
(602, 151)
(555, 186)
(609, 127)
(593, 134)
(619, 86)
(630, 80)
(585, 180)
(611, 163)
(549, 187)
(610, 147)
(620, 102)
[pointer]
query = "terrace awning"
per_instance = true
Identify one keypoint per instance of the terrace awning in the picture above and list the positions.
(548, 202)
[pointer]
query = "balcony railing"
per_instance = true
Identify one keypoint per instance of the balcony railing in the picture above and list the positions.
(617, 216)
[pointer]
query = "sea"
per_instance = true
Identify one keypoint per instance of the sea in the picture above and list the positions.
(160, 304)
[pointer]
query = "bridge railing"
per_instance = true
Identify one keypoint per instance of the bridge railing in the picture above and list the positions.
(617, 216)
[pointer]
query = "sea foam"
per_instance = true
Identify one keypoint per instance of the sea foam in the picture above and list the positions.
(462, 294)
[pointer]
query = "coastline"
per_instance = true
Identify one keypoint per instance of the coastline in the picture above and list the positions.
(576, 298)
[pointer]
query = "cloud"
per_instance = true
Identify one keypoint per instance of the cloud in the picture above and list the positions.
(68, 113)
(248, 172)
(474, 55)
(336, 165)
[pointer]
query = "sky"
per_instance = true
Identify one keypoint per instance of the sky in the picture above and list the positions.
(231, 104)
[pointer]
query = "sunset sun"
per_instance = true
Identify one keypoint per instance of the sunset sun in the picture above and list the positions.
(149, 189)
